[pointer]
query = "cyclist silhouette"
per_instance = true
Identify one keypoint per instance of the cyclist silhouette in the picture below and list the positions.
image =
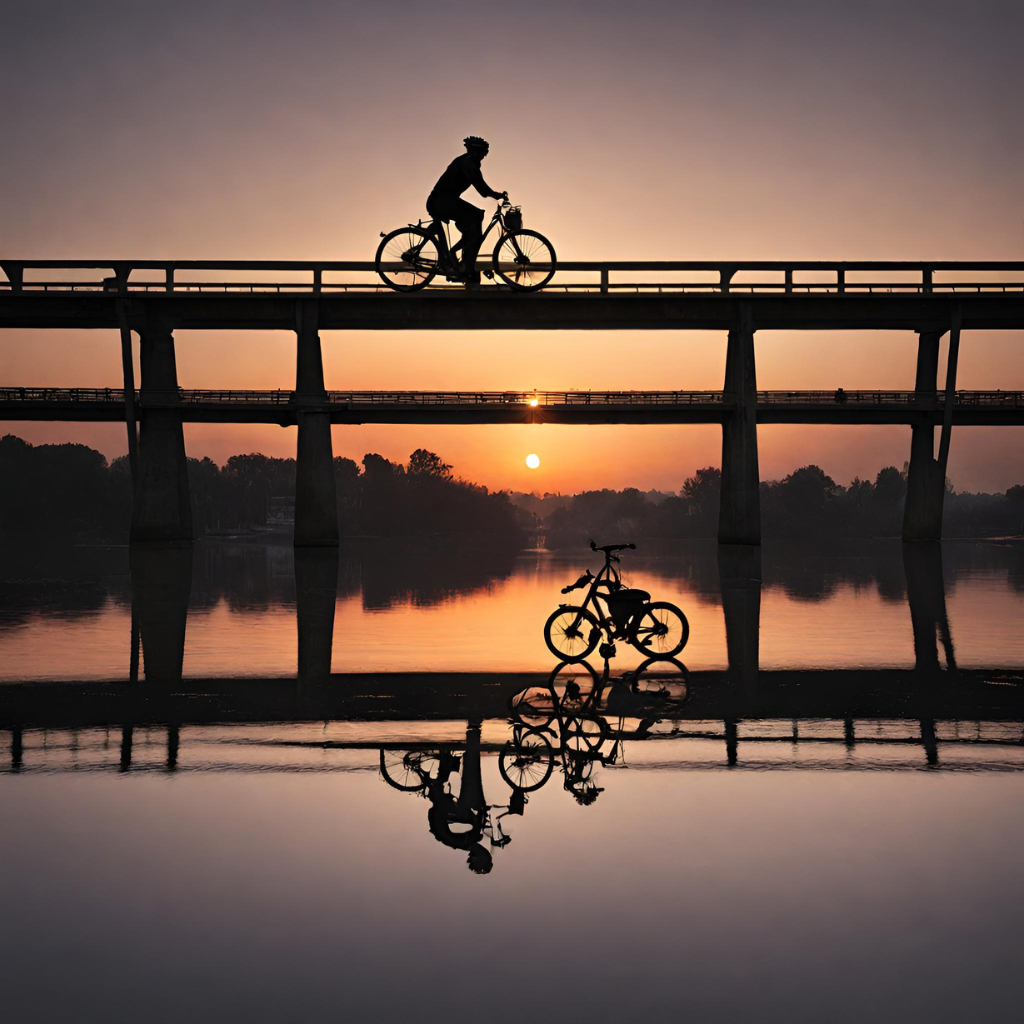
(445, 201)
(459, 822)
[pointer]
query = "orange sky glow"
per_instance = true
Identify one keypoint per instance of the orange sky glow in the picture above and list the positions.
(657, 131)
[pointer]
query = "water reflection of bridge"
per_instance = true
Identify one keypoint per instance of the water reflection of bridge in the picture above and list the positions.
(156, 298)
(935, 699)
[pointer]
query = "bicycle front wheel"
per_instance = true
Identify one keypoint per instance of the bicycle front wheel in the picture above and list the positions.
(407, 259)
(571, 633)
(524, 260)
(660, 630)
(527, 765)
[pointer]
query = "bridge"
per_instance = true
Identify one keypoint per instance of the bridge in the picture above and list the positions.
(156, 298)
(970, 408)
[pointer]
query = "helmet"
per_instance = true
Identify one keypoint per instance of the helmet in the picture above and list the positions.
(475, 142)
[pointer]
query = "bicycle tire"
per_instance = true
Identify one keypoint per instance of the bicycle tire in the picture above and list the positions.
(528, 764)
(397, 769)
(417, 276)
(580, 646)
(531, 248)
(660, 646)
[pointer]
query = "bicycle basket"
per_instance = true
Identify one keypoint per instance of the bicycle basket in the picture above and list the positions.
(514, 219)
(624, 604)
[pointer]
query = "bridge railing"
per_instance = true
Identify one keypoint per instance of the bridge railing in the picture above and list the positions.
(236, 277)
(840, 396)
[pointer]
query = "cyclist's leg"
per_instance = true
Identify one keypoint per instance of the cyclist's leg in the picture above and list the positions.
(469, 219)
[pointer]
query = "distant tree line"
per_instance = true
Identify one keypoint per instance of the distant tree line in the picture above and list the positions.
(71, 489)
(807, 503)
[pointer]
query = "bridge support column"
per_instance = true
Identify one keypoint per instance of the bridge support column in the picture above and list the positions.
(316, 595)
(739, 571)
(316, 503)
(161, 585)
(926, 595)
(739, 515)
(926, 479)
(162, 510)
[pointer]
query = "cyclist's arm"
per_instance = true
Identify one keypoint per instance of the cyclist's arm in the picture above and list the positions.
(476, 178)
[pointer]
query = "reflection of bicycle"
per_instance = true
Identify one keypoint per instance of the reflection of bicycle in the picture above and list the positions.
(409, 258)
(655, 628)
(566, 719)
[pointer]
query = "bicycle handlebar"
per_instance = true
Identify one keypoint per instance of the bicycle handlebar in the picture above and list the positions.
(609, 548)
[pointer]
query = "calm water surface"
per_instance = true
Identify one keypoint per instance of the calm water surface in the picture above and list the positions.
(817, 817)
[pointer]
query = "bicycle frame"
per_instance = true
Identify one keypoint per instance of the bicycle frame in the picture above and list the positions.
(440, 235)
(610, 579)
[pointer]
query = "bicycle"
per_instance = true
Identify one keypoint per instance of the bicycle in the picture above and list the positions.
(409, 258)
(657, 629)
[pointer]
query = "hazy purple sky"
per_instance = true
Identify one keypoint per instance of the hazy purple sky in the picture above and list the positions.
(641, 130)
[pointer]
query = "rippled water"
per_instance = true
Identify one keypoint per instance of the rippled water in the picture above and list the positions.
(344, 787)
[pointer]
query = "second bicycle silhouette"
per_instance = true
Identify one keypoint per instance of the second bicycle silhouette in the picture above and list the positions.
(611, 611)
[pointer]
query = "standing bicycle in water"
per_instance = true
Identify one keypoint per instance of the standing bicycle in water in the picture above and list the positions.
(445, 201)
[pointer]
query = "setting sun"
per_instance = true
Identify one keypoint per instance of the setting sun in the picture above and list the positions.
(533, 461)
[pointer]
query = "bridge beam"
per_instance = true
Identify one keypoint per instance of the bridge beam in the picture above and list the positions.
(316, 503)
(162, 510)
(739, 515)
(926, 478)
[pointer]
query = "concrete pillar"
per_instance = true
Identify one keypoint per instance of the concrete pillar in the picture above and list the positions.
(739, 515)
(739, 569)
(926, 595)
(161, 584)
(162, 510)
(316, 595)
(316, 503)
(926, 479)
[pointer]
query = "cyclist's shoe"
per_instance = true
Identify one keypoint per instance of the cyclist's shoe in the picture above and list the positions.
(472, 280)
(606, 651)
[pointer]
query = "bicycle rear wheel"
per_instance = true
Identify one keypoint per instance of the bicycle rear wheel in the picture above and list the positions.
(524, 260)
(407, 259)
(660, 630)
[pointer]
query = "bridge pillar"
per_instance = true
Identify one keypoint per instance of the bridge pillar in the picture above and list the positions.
(926, 595)
(926, 478)
(161, 585)
(316, 503)
(162, 510)
(739, 571)
(739, 515)
(316, 595)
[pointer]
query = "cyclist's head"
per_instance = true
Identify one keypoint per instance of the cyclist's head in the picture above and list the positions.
(480, 861)
(476, 146)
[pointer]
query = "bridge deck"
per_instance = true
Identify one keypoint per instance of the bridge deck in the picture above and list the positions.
(615, 295)
(568, 407)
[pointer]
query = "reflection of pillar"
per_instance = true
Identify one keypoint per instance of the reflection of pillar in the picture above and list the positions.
(126, 747)
(316, 594)
(731, 742)
(926, 595)
(161, 582)
(17, 747)
(739, 512)
(172, 747)
(316, 502)
(929, 741)
(739, 569)
(162, 511)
